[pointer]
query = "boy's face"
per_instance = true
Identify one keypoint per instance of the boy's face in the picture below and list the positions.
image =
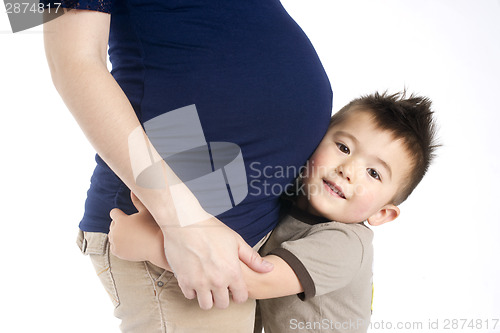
(355, 172)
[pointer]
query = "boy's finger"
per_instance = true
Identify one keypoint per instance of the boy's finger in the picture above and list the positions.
(116, 213)
(137, 203)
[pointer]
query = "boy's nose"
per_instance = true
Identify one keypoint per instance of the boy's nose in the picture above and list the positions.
(350, 169)
(345, 172)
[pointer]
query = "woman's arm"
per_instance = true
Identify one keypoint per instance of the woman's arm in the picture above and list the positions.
(76, 47)
(76, 50)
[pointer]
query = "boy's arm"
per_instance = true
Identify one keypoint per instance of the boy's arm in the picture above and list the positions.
(137, 237)
(281, 281)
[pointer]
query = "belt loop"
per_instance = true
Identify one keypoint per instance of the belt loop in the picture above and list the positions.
(81, 241)
(84, 246)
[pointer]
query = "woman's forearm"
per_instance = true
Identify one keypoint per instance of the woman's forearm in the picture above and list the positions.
(106, 117)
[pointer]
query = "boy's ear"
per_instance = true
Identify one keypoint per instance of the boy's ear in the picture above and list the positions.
(387, 213)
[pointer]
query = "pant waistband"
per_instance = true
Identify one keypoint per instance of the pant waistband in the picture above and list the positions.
(92, 242)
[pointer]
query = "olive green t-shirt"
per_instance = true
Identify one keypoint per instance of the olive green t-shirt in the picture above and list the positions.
(333, 262)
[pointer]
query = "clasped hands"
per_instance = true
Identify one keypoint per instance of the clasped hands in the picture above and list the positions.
(205, 256)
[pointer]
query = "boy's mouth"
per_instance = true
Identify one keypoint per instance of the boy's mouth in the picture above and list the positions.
(334, 188)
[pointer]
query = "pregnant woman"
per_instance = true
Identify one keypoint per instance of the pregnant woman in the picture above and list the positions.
(255, 80)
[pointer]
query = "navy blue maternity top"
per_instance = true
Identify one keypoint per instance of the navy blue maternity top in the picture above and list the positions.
(253, 75)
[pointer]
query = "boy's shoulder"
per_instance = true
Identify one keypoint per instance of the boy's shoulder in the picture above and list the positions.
(313, 233)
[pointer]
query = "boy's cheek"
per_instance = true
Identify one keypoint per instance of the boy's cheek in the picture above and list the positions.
(360, 192)
(316, 165)
(363, 202)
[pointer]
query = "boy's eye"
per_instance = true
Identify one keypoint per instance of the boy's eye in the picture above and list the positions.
(343, 148)
(373, 173)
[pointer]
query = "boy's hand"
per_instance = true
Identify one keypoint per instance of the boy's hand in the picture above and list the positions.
(134, 237)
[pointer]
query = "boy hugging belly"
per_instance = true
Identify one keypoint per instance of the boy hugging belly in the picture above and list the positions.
(375, 152)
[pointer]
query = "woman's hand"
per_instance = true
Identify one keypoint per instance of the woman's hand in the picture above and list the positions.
(206, 259)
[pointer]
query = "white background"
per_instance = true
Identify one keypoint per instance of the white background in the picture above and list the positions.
(439, 261)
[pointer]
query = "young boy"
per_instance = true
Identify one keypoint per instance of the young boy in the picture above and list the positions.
(375, 152)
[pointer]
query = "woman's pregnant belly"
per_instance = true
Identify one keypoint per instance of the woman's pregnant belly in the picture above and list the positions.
(252, 74)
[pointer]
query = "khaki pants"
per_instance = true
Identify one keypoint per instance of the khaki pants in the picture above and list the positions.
(148, 299)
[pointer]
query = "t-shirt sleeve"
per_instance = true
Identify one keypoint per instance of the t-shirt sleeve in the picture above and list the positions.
(325, 260)
(95, 5)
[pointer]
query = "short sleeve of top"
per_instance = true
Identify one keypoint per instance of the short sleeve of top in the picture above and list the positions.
(95, 5)
(325, 256)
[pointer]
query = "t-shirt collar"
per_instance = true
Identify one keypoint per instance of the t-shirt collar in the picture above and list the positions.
(306, 217)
